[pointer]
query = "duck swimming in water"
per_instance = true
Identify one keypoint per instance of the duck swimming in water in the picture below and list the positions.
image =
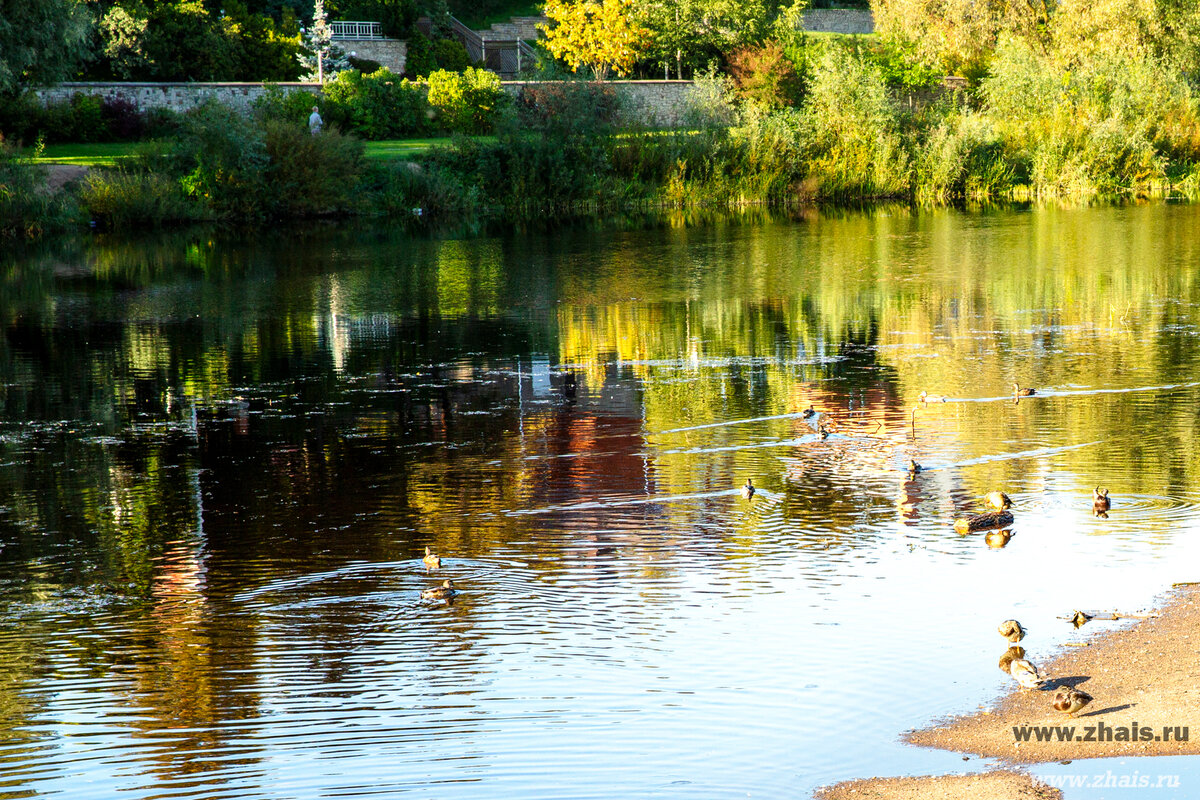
(748, 489)
(430, 560)
(1019, 392)
(1100, 502)
(443, 592)
(998, 501)
(982, 522)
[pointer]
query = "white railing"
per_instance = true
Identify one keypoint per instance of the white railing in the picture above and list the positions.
(356, 30)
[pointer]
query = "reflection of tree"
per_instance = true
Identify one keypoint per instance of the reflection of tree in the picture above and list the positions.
(187, 417)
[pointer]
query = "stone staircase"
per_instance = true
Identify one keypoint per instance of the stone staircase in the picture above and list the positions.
(524, 28)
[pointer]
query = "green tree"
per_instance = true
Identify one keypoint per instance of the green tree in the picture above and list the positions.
(41, 41)
(1167, 31)
(959, 35)
(690, 34)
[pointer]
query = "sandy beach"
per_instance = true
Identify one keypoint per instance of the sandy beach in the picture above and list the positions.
(998, 785)
(1146, 703)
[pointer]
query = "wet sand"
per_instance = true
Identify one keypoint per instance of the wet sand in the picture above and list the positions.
(999, 785)
(1142, 679)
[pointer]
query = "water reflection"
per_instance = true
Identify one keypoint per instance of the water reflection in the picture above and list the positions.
(222, 461)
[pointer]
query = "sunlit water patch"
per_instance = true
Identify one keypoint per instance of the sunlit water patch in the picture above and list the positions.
(217, 499)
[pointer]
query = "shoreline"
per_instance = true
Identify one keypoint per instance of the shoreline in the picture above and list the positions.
(1146, 703)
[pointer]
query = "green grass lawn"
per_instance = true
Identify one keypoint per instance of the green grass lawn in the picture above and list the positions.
(103, 154)
(109, 153)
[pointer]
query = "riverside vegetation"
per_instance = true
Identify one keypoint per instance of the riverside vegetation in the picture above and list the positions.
(800, 120)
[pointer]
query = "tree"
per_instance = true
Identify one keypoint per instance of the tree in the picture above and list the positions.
(600, 35)
(320, 56)
(41, 41)
(1167, 31)
(959, 35)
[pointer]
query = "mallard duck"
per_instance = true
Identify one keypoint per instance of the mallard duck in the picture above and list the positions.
(981, 522)
(822, 432)
(443, 592)
(1100, 502)
(430, 560)
(1025, 673)
(1010, 655)
(808, 413)
(1011, 629)
(913, 466)
(1071, 700)
(997, 539)
(1080, 618)
(998, 501)
(1019, 392)
(748, 489)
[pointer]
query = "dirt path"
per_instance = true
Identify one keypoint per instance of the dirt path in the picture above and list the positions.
(59, 175)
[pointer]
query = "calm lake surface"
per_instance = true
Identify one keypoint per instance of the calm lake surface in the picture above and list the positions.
(221, 460)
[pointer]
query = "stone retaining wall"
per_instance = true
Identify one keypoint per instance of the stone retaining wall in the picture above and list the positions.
(656, 103)
(839, 20)
(174, 96)
(390, 53)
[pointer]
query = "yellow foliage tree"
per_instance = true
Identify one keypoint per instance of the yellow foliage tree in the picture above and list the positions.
(601, 35)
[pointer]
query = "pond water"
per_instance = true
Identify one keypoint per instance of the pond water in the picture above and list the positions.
(221, 459)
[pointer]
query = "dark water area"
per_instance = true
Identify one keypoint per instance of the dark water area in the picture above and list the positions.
(222, 458)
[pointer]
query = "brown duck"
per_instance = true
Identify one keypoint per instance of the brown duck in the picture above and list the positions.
(997, 500)
(1069, 701)
(983, 522)
(430, 560)
(443, 592)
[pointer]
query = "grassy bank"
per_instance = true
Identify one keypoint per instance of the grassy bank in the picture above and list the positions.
(1030, 129)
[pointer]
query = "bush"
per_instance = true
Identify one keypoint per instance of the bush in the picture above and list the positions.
(82, 118)
(381, 105)
(121, 198)
(28, 209)
(449, 54)
(858, 147)
(310, 175)
(764, 76)
(468, 101)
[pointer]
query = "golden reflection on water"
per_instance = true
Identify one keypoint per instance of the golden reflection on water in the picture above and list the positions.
(223, 459)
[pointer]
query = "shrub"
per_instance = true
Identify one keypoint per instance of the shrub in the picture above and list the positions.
(222, 158)
(289, 104)
(963, 157)
(310, 175)
(449, 54)
(381, 105)
(468, 101)
(121, 198)
(28, 209)
(859, 150)
(763, 75)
